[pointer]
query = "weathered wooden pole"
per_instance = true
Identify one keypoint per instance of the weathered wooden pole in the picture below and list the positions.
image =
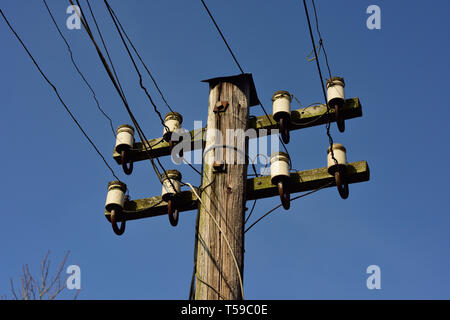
(220, 244)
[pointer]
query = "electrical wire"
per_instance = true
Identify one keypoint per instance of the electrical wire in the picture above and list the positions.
(330, 138)
(320, 39)
(192, 167)
(242, 71)
(78, 69)
(111, 13)
(224, 236)
(278, 206)
(282, 143)
(105, 47)
(223, 37)
(141, 134)
(312, 121)
(58, 95)
(141, 84)
(141, 60)
(256, 175)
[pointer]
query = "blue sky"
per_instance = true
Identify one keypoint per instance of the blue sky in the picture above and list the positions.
(54, 186)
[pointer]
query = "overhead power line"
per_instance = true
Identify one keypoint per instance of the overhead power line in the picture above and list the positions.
(79, 71)
(105, 47)
(330, 138)
(221, 34)
(279, 206)
(240, 68)
(141, 84)
(141, 60)
(321, 40)
(57, 94)
(141, 134)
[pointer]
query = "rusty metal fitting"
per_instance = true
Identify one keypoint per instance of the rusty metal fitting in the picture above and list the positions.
(172, 212)
(285, 195)
(116, 216)
(219, 167)
(127, 165)
(220, 106)
(341, 183)
(340, 121)
(284, 128)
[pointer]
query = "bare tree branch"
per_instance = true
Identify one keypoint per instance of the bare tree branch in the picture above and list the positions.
(13, 290)
(46, 288)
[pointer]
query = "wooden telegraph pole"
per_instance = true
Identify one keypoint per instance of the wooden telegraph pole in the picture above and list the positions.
(220, 255)
(225, 187)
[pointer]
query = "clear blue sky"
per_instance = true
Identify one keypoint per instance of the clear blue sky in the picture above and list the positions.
(54, 186)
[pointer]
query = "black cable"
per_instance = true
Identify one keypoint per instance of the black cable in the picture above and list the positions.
(320, 39)
(223, 37)
(192, 167)
(139, 74)
(251, 212)
(140, 77)
(58, 95)
(282, 143)
(242, 71)
(103, 43)
(254, 202)
(141, 134)
(330, 138)
(141, 60)
(293, 199)
(141, 84)
(79, 71)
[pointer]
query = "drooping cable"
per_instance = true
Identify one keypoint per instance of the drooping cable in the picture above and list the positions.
(141, 84)
(105, 47)
(321, 40)
(224, 236)
(330, 138)
(78, 69)
(141, 134)
(278, 206)
(58, 95)
(242, 71)
(221, 34)
(141, 60)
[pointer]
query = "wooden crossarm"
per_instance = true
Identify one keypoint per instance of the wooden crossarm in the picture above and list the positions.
(257, 188)
(301, 118)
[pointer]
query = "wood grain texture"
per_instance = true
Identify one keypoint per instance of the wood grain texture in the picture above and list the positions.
(224, 198)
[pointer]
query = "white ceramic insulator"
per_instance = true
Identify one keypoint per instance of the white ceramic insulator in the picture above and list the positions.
(172, 124)
(340, 156)
(282, 104)
(279, 168)
(336, 91)
(167, 187)
(115, 196)
(125, 137)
